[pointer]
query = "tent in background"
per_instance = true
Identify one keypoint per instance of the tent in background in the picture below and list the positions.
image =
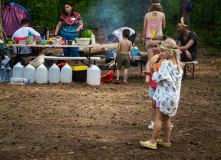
(12, 14)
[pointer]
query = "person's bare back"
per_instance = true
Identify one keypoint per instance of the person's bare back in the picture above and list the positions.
(125, 46)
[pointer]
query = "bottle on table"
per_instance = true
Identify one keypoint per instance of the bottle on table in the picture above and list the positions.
(8, 73)
(2, 72)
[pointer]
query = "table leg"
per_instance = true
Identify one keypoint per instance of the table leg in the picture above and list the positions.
(141, 67)
(89, 57)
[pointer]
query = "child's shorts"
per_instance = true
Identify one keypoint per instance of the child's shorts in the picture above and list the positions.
(152, 91)
(123, 60)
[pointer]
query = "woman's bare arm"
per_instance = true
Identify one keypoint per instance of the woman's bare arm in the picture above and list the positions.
(58, 27)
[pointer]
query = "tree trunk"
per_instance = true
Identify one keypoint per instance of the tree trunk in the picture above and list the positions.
(183, 12)
(1, 27)
(100, 50)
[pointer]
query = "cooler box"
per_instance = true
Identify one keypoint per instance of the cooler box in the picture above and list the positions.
(79, 73)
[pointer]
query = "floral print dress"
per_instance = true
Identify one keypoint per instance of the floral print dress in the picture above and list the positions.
(167, 94)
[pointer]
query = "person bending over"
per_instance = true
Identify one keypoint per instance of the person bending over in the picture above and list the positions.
(117, 35)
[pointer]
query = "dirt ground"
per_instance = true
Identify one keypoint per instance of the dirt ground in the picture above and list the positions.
(78, 121)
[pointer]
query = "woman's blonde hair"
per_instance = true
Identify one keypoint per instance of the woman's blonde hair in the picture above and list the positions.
(171, 43)
(155, 7)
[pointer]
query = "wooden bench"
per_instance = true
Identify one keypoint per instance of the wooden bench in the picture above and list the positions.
(186, 68)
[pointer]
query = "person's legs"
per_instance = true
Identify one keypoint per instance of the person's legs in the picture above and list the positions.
(167, 128)
(125, 75)
(118, 74)
(65, 50)
(157, 126)
(150, 55)
(153, 109)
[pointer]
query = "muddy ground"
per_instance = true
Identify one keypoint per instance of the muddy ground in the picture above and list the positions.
(78, 121)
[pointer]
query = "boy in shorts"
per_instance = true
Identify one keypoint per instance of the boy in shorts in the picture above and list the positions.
(122, 55)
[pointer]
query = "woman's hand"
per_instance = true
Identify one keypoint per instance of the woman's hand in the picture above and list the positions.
(153, 68)
(78, 30)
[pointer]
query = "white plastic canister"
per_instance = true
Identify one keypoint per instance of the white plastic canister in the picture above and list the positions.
(54, 74)
(18, 71)
(66, 74)
(29, 73)
(41, 74)
(93, 75)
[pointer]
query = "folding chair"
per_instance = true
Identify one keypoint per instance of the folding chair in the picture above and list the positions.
(187, 68)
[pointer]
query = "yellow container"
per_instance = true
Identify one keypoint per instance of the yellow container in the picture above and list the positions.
(10, 42)
(79, 68)
(79, 73)
(60, 38)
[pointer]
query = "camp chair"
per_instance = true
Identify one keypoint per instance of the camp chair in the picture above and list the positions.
(41, 29)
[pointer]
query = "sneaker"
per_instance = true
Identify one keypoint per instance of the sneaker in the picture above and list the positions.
(151, 125)
(116, 82)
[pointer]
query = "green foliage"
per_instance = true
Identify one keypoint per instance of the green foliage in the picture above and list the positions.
(111, 14)
(212, 52)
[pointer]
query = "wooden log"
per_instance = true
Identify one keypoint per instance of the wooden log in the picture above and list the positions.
(100, 50)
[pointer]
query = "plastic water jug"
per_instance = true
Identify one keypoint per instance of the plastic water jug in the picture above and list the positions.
(66, 74)
(54, 74)
(29, 73)
(93, 75)
(18, 71)
(41, 74)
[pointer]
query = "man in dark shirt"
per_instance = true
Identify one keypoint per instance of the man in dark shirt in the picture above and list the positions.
(187, 43)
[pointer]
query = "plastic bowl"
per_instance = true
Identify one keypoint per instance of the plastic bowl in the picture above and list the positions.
(38, 61)
(83, 41)
(10, 42)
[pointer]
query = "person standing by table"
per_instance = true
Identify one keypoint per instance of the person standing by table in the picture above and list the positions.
(154, 19)
(71, 24)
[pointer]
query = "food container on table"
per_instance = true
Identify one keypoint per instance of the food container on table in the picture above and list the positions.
(10, 42)
(68, 42)
(38, 61)
(23, 42)
(83, 41)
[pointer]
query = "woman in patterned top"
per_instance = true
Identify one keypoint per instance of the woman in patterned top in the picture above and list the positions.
(71, 24)
(167, 94)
